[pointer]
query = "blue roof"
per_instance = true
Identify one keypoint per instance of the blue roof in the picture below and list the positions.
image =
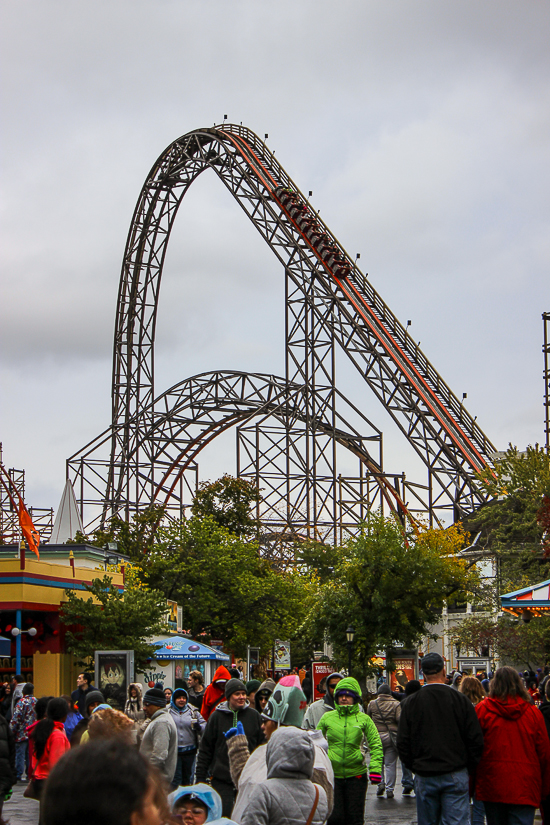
(178, 648)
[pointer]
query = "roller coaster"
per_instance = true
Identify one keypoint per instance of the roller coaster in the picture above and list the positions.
(291, 429)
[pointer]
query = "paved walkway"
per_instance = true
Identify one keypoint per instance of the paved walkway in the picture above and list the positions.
(397, 811)
(18, 810)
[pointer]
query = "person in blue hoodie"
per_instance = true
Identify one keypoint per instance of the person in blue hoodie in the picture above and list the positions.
(200, 802)
(190, 726)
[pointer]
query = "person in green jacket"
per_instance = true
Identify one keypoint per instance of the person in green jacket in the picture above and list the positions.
(344, 729)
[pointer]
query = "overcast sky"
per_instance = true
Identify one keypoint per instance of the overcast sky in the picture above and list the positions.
(422, 128)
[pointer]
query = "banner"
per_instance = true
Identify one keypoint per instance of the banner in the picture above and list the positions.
(282, 655)
(320, 671)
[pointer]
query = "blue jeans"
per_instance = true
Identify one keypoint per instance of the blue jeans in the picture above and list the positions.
(443, 800)
(478, 812)
(21, 758)
(499, 813)
(407, 777)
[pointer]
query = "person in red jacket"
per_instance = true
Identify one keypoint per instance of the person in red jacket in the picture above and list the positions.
(513, 775)
(215, 691)
(47, 742)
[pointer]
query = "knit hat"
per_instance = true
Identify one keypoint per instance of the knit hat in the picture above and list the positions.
(155, 696)
(91, 697)
(348, 687)
(232, 686)
(383, 688)
(432, 663)
(252, 686)
(286, 706)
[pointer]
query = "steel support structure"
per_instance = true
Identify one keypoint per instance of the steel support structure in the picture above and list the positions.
(330, 303)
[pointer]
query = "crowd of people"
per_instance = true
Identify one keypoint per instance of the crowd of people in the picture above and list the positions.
(472, 749)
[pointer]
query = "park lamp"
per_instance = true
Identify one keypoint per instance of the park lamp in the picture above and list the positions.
(350, 635)
(32, 631)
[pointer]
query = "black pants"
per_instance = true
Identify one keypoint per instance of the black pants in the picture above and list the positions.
(349, 801)
(227, 793)
(184, 767)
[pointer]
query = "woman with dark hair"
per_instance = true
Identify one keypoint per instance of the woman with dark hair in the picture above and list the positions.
(5, 701)
(513, 776)
(106, 783)
(48, 742)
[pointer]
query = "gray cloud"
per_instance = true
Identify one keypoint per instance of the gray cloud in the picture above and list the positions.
(421, 127)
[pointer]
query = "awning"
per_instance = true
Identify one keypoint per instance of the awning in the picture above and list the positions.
(178, 648)
(531, 601)
(5, 646)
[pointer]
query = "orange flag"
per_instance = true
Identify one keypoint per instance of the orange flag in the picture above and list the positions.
(28, 529)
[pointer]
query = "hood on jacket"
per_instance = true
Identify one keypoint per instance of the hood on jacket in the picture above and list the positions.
(137, 686)
(221, 673)
(176, 693)
(349, 683)
(268, 684)
(290, 753)
(224, 707)
(327, 698)
(456, 677)
(204, 793)
(512, 709)
(266, 689)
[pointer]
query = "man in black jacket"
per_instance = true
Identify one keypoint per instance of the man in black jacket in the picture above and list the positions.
(213, 747)
(440, 739)
(78, 696)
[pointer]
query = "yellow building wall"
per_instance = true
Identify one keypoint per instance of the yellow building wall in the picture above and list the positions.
(54, 674)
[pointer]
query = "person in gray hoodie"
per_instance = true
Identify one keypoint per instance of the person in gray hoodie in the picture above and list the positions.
(321, 706)
(190, 725)
(160, 740)
(288, 796)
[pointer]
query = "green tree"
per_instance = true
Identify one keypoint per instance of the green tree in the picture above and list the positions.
(107, 619)
(515, 523)
(513, 642)
(224, 587)
(391, 587)
(133, 537)
(230, 502)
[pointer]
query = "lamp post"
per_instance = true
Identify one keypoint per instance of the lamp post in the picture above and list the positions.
(350, 636)
(15, 631)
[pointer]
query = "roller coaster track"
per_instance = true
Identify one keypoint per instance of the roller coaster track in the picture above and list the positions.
(341, 301)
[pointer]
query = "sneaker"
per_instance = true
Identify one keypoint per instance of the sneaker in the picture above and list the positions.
(407, 791)
(380, 790)
(389, 794)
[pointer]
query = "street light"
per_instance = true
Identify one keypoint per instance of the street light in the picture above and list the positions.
(32, 631)
(350, 636)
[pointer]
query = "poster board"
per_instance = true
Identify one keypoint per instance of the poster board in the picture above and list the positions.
(282, 655)
(404, 672)
(320, 671)
(114, 670)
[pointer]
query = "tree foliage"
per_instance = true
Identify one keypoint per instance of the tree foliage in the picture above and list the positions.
(391, 586)
(230, 502)
(133, 537)
(115, 621)
(515, 524)
(225, 588)
(512, 642)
